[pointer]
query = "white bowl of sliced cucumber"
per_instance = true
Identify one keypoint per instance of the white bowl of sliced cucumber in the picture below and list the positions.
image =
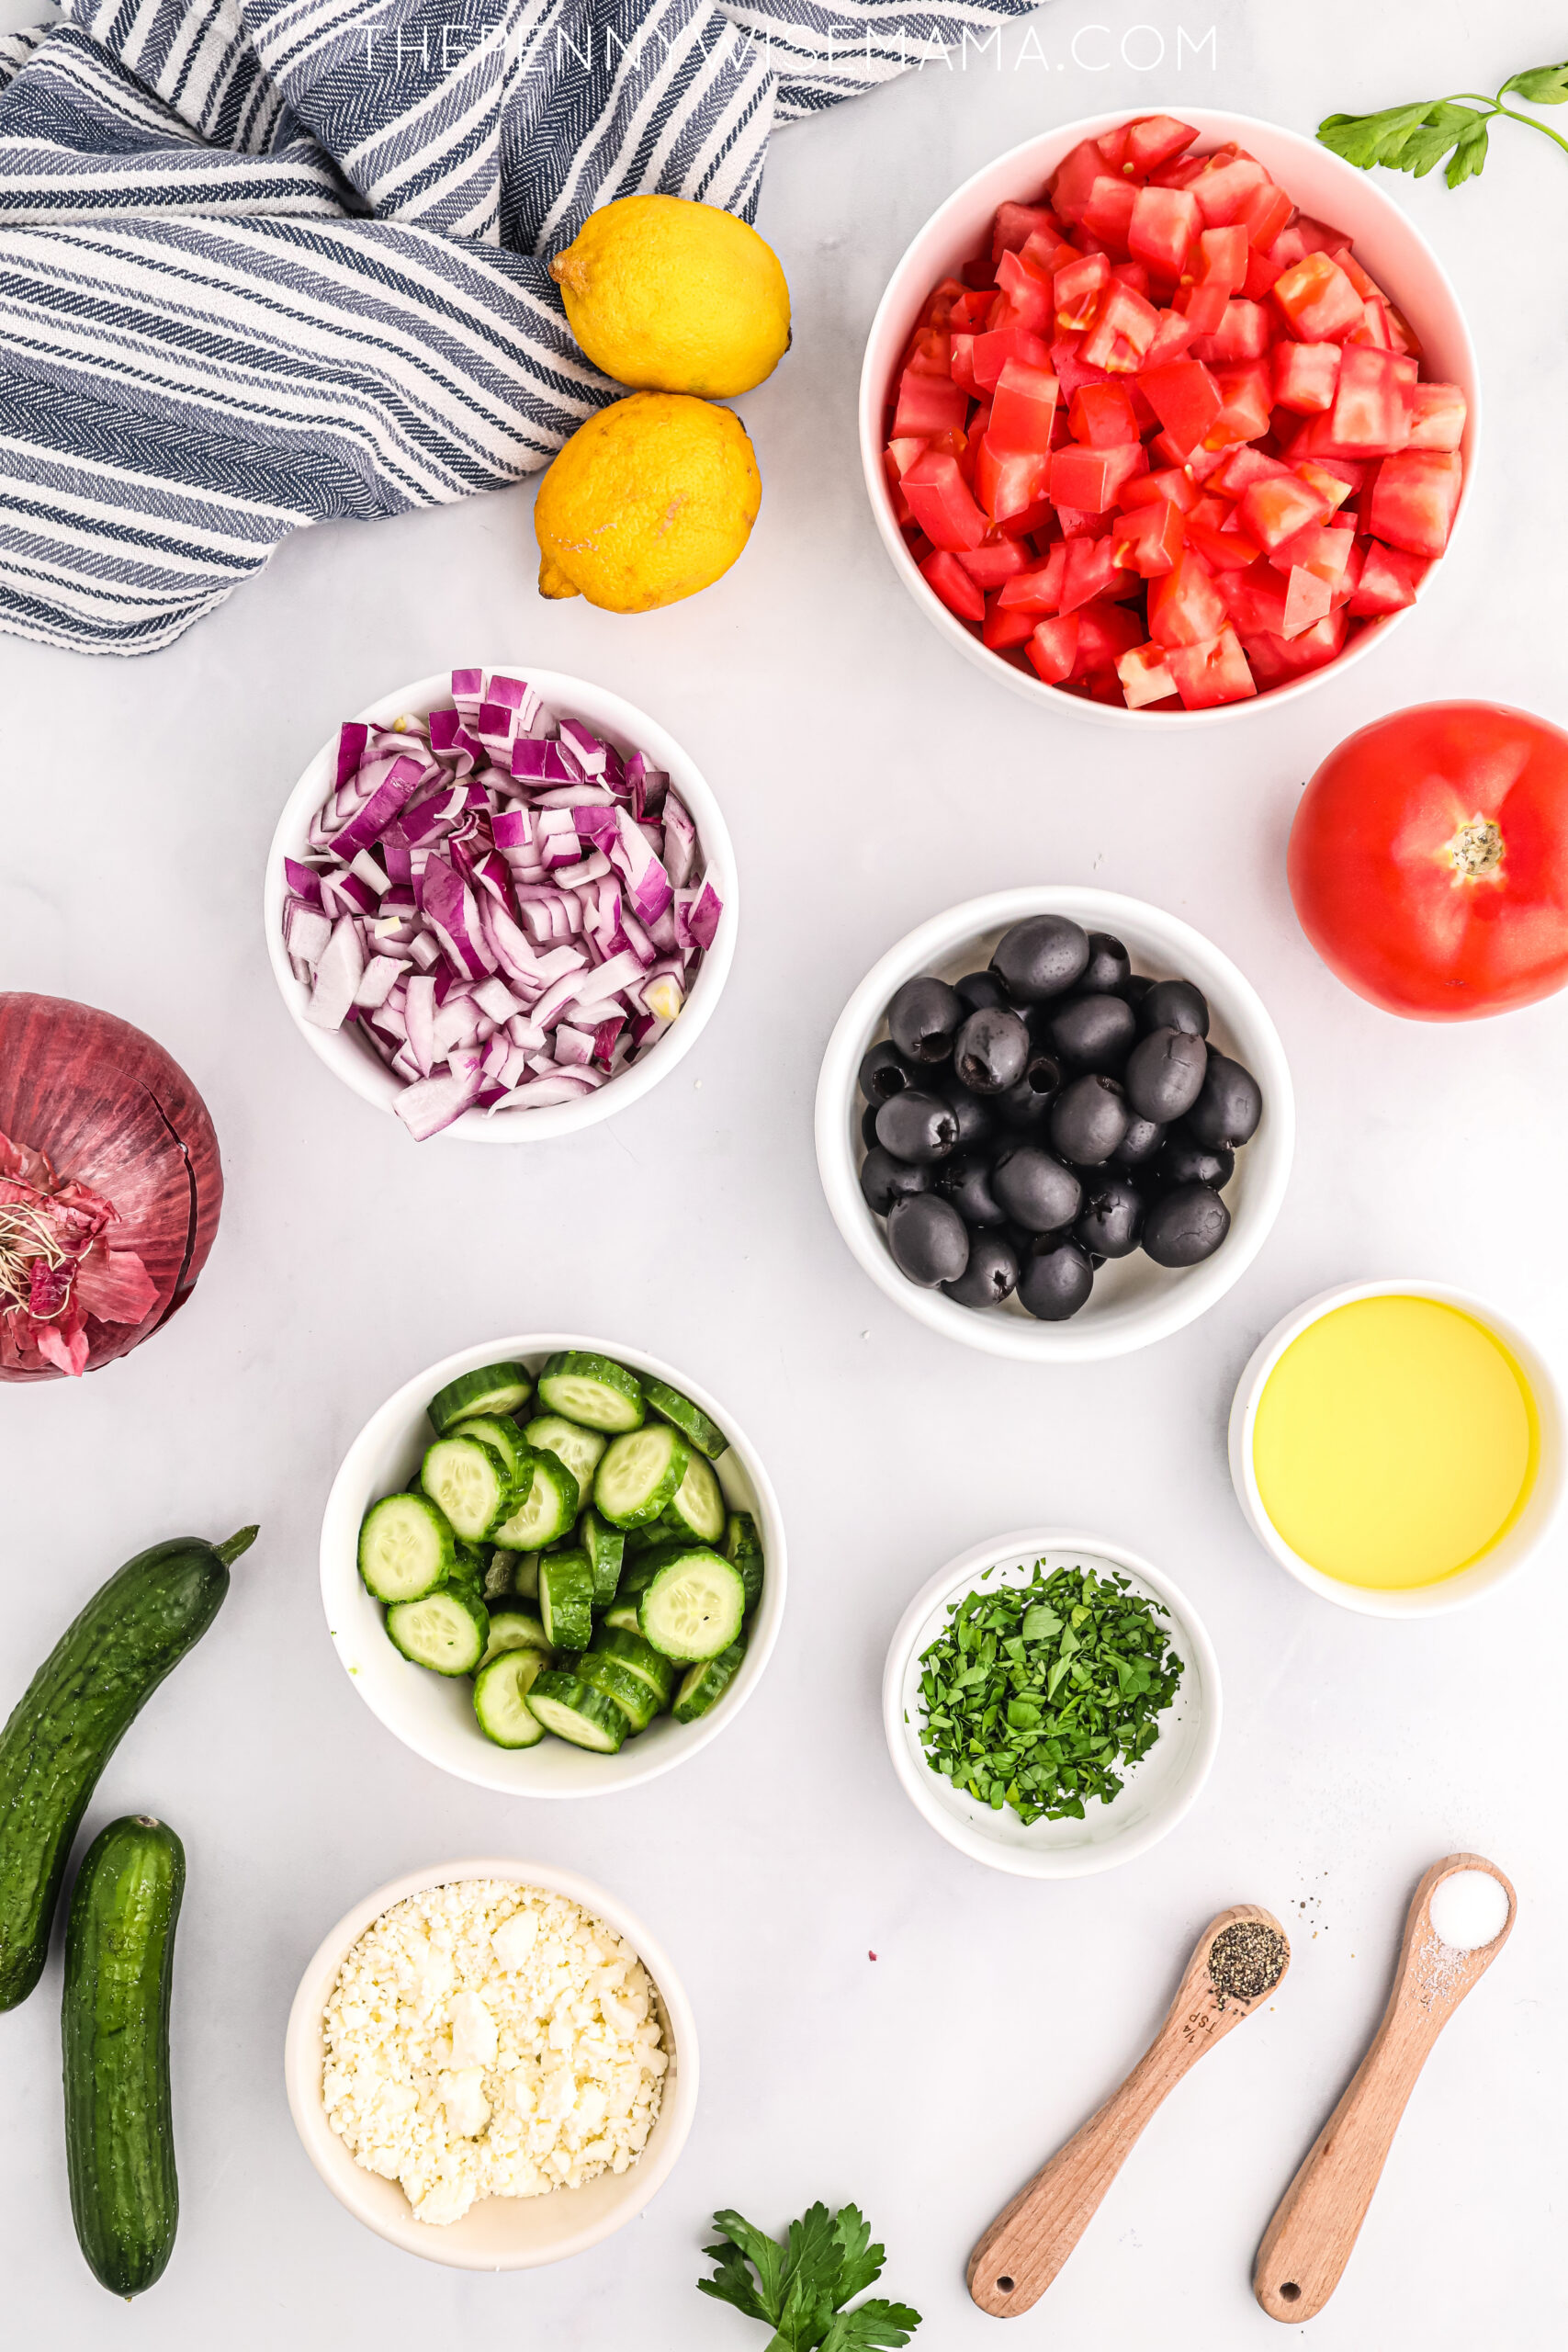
(553, 1565)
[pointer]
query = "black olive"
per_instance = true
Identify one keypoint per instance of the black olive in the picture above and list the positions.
(1135, 989)
(917, 1126)
(1186, 1226)
(1228, 1111)
(1139, 1145)
(1093, 1031)
(1164, 1073)
(1040, 957)
(884, 1180)
(1054, 1279)
(1109, 967)
(977, 1118)
(991, 1050)
(991, 1275)
(1184, 1161)
(1027, 1105)
(1089, 1119)
(868, 1125)
(966, 1181)
(883, 1071)
(1112, 1214)
(923, 1018)
(979, 988)
(1175, 1004)
(1034, 1190)
(927, 1239)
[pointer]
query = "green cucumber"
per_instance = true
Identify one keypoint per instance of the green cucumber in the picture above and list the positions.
(547, 1513)
(579, 1449)
(595, 1390)
(640, 1474)
(690, 1419)
(696, 1510)
(72, 1717)
(513, 1629)
(526, 1582)
(566, 1600)
(626, 1646)
(470, 1480)
(445, 1632)
(573, 1711)
(703, 1685)
(743, 1545)
(612, 1681)
(497, 1430)
(120, 2137)
(693, 1605)
(495, 1388)
(500, 1699)
(622, 1618)
(606, 1550)
(406, 1547)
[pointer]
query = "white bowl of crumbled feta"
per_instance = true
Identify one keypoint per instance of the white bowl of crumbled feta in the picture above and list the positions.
(491, 2063)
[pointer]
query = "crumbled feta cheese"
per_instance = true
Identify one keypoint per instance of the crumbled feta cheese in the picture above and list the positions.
(484, 2040)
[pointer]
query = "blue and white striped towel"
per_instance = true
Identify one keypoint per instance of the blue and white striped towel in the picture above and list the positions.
(269, 263)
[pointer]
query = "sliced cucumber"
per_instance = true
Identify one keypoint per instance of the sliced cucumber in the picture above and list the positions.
(579, 1449)
(621, 1619)
(640, 1474)
(500, 1430)
(573, 1711)
(447, 1631)
(696, 1507)
(514, 1629)
(500, 1699)
(566, 1600)
(595, 1391)
(406, 1547)
(606, 1674)
(547, 1513)
(693, 1605)
(496, 1388)
(471, 1482)
(606, 1548)
(702, 1686)
(690, 1419)
(743, 1545)
(626, 1646)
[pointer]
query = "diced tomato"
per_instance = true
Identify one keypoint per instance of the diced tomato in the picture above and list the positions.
(1032, 523)
(1243, 333)
(1123, 331)
(930, 353)
(1275, 660)
(1374, 328)
(1172, 482)
(1180, 172)
(1105, 632)
(1091, 570)
(1078, 288)
(1211, 673)
(1102, 416)
(1009, 481)
(952, 584)
(1171, 338)
(1028, 292)
(968, 313)
(1306, 376)
(1075, 179)
(1389, 579)
(1318, 300)
(919, 547)
(941, 503)
(1204, 308)
(1004, 629)
(1149, 539)
(1225, 187)
(995, 562)
(1220, 258)
(1023, 409)
(1053, 647)
(1320, 550)
(1133, 273)
(1108, 215)
(1067, 361)
(1080, 522)
(1090, 478)
(1185, 398)
(893, 469)
(1436, 417)
(1244, 404)
(1373, 402)
(1254, 599)
(1198, 463)
(1112, 146)
(1184, 607)
(1315, 237)
(1015, 224)
(1272, 512)
(993, 351)
(928, 405)
(1240, 468)
(1264, 214)
(1263, 274)
(1145, 676)
(1038, 590)
(1413, 499)
(1329, 479)
(1307, 600)
(939, 309)
(1155, 138)
(964, 365)
(1163, 225)
(1214, 533)
(904, 453)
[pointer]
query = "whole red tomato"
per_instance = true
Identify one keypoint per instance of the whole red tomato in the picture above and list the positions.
(1428, 861)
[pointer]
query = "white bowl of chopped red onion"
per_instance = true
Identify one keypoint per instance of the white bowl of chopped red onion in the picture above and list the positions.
(501, 904)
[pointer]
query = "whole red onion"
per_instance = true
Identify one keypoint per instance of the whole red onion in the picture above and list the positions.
(110, 1187)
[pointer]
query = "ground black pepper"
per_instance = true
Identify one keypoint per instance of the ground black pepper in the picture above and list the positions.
(1246, 1959)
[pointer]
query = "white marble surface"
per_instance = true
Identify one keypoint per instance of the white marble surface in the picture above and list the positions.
(870, 778)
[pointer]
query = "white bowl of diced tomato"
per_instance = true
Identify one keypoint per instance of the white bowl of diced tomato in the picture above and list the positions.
(1166, 415)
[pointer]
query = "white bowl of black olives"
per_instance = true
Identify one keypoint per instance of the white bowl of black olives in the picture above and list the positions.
(1056, 1124)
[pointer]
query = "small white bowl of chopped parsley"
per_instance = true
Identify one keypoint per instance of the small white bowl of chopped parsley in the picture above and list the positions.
(1052, 1704)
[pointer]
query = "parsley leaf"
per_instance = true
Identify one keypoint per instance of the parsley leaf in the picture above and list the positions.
(871, 2326)
(1416, 137)
(1544, 85)
(802, 2286)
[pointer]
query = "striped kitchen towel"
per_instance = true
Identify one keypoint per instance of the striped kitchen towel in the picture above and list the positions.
(269, 263)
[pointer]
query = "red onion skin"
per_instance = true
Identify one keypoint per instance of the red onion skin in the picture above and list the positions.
(107, 1104)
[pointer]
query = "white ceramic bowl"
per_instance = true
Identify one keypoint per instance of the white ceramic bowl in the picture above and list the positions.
(433, 1713)
(1522, 1540)
(1134, 1302)
(1156, 1793)
(500, 2233)
(1321, 184)
(629, 728)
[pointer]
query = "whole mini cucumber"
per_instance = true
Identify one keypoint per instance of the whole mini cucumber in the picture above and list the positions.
(72, 1717)
(120, 2139)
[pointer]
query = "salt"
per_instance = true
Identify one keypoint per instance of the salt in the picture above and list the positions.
(1468, 1909)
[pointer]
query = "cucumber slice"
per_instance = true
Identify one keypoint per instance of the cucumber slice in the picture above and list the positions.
(566, 1600)
(702, 1686)
(612, 1681)
(547, 1514)
(471, 1482)
(498, 1429)
(526, 1582)
(605, 1547)
(593, 1390)
(514, 1629)
(500, 1699)
(743, 1545)
(693, 1605)
(579, 1449)
(406, 1548)
(626, 1646)
(496, 1388)
(447, 1631)
(640, 1474)
(690, 1419)
(621, 1619)
(696, 1507)
(573, 1711)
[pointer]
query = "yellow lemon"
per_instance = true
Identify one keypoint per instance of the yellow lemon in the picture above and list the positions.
(670, 295)
(649, 501)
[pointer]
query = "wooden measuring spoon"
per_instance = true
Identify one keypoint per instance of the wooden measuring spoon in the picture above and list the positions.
(1309, 2240)
(1028, 2243)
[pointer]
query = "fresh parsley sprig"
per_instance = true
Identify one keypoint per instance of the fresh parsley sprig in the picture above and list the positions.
(801, 2287)
(1416, 137)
